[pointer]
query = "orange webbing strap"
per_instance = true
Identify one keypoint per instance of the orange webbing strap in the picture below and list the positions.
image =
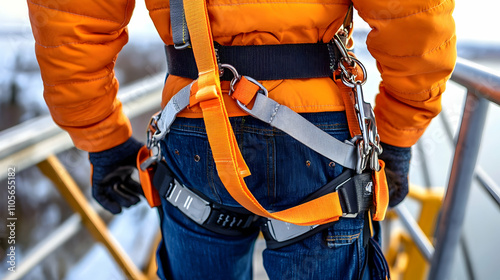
(352, 119)
(245, 91)
(146, 178)
(380, 192)
(209, 93)
(348, 98)
(230, 165)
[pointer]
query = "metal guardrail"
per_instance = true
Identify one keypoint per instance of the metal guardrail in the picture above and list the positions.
(423, 244)
(33, 143)
(482, 86)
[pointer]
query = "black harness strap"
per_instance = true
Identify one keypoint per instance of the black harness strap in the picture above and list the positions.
(263, 62)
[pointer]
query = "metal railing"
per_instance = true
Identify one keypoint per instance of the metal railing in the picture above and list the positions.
(32, 143)
(483, 87)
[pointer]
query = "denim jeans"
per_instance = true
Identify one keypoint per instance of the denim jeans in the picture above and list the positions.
(284, 172)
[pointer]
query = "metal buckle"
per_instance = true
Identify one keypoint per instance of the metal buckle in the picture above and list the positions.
(349, 216)
(183, 46)
(262, 91)
(236, 79)
(282, 231)
(189, 203)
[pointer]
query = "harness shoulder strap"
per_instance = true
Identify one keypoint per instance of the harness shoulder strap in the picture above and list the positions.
(180, 32)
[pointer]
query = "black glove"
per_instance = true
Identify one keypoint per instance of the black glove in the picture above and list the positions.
(112, 185)
(397, 167)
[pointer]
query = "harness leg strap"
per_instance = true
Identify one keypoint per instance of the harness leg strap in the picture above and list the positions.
(206, 213)
(355, 195)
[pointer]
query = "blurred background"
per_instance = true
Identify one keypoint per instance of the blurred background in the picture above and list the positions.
(40, 209)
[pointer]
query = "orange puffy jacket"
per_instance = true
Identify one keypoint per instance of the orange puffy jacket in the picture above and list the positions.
(77, 43)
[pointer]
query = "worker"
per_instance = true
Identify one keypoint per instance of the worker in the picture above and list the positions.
(285, 46)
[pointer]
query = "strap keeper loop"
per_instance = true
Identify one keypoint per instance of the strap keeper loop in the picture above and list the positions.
(203, 94)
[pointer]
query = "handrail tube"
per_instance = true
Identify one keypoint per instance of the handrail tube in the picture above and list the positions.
(32, 131)
(418, 236)
(455, 201)
(480, 175)
(488, 183)
(478, 78)
(469, 268)
(32, 141)
(26, 134)
(425, 167)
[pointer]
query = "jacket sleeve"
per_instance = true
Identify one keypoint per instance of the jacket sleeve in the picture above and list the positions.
(414, 45)
(76, 44)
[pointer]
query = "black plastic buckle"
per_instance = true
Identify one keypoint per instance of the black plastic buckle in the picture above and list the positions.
(356, 195)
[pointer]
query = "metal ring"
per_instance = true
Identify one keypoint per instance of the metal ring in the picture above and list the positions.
(236, 76)
(350, 83)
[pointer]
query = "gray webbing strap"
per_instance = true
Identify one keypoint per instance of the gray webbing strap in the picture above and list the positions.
(279, 116)
(176, 104)
(180, 33)
(290, 122)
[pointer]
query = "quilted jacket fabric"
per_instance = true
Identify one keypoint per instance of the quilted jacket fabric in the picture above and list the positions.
(77, 43)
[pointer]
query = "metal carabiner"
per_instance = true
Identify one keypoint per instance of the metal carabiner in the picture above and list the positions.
(343, 50)
(347, 77)
(364, 121)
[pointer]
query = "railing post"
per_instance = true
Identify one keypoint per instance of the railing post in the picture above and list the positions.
(457, 194)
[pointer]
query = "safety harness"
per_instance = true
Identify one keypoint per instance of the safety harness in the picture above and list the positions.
(355, 191)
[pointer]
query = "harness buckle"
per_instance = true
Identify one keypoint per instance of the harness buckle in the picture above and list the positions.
(183, 46)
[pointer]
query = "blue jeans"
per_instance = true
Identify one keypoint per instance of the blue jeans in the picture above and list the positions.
(284, 172)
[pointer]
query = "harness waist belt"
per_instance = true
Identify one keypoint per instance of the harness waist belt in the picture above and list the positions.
(262, 62)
